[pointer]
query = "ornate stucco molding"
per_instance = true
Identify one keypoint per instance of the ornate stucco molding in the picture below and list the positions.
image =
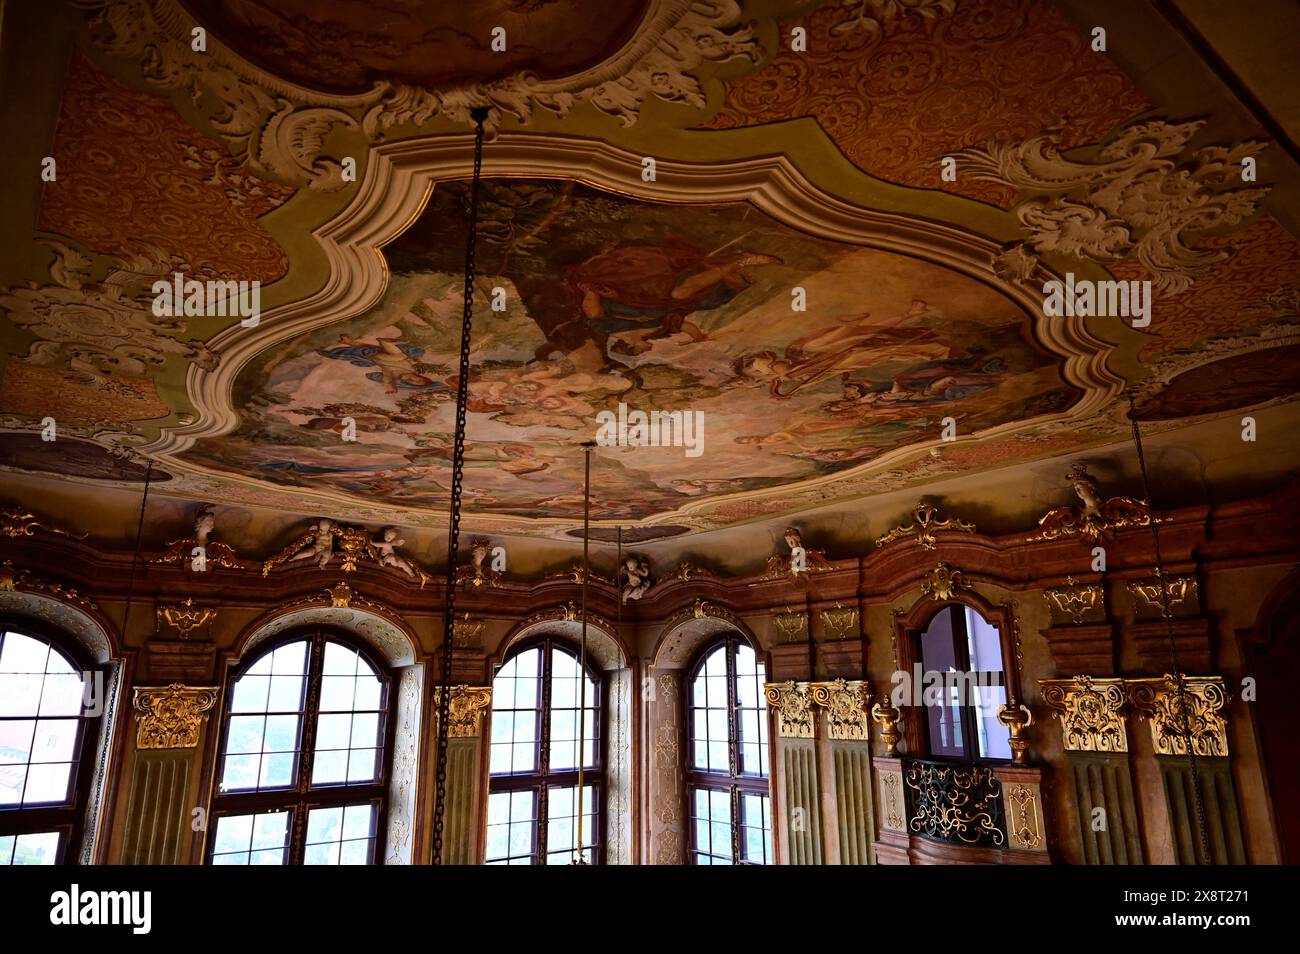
(468, 703)
(16, 522)
(171, 717)
(943, 582)
(792, 625)
(1145, 196)
(1179, 591)
(1075, 600)
(924, 528)
(840, 622)
(1091, 712)
(1097, 519)
(847, 703)
(792, 702)
(185, 618)
(280, 127)
(1163, 701)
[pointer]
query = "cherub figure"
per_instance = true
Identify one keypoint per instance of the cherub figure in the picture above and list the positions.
(1096, 519)
(799, 563)
(316, 544)
(636, 577)
(387, 545)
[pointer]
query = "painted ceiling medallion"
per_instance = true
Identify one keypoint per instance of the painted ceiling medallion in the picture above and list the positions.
(648, 302)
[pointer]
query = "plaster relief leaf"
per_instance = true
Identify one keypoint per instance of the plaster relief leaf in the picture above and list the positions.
(1145, 197)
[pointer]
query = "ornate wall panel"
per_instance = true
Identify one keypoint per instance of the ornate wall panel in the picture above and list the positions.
(668, 842)
(403, 785)
(618, 759)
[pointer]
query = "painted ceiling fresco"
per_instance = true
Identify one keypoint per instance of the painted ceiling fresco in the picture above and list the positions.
(226, 164)
(656, 307)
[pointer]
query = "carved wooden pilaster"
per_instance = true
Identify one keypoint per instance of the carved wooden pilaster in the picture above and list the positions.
(171, 717)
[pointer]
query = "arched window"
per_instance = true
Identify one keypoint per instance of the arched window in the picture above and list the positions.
(961, 655)
(727, 770)
(533, 788)
(304, 756)
(45, 758)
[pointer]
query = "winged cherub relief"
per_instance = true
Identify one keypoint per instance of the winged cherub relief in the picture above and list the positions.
(316, 544)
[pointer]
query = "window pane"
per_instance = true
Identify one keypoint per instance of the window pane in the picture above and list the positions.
(995, 742)
(38, 848)
(511, 821)
(562, 824)
(263, 731)
(350, 726)
(756, 829)
(259, 839)
(514, 714)
(342, 835)
(983, 643)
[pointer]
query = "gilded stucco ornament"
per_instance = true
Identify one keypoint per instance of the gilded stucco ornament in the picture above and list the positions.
(840, 622)
(468, 703)
(846, 703)
(943, 582)
(1180, 707)
(798, 562)
(1091, 711)
(792, 703)
(171, 717)
(16, 522)
(184, 617)
(924, 528)
(1178, 591)
(792, 625)
(479, 572)
(1096, 519)
(202, 548)
(1022, 816)
(1075, 600)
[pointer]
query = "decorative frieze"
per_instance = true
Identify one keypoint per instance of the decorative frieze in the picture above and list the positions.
(1091, 712)
(468, 703)
(171, 717)
(792, 702)
(840, 622)
(1182, 707)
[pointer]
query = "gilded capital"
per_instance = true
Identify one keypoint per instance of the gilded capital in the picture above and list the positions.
(171, 717)
(792, 702)
(847, 704)
(466, 709)
(1091, 712)
(1180, 708)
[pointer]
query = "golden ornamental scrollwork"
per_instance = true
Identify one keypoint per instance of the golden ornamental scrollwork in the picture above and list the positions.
(171, 717)
(792, 625)
(840, 622)
(480, 572)
(1075, 600)
(792, 702)
(1022, 820)
(1182, 707)
(943, 582)
(955, 803)
(1097, 519)
(185, 618)
(891, 786)
(16, 522)
(1091, 712)
(13, 579)
(467, 705)
(924, 528)
(847, 704)
(1178, 591)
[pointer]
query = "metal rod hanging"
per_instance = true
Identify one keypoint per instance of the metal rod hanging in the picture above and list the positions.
(580, 857)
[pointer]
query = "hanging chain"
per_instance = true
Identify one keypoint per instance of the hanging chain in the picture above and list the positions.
(457, 473)
(135, 557)
(1197, 799)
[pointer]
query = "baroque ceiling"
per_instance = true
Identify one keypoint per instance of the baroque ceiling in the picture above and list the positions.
(841, 252)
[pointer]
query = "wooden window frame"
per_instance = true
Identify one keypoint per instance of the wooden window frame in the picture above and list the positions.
(301, 797)
(68, 818)
(734, 782)
(541, 779)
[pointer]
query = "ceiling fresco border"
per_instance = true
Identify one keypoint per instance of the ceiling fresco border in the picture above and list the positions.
(401, 177)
